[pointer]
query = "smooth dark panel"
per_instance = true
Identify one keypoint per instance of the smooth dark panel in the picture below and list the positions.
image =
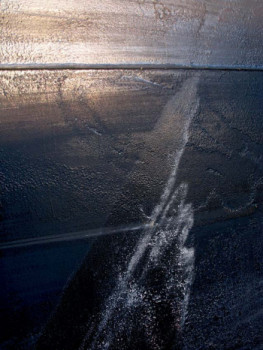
(32, 280)
(132, 32)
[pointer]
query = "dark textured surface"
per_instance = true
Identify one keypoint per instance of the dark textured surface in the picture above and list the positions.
(69, 140)
(86, 149)
(222, 166)
(69, 144)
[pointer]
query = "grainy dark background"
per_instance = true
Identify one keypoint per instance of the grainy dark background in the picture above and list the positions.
(78, 152)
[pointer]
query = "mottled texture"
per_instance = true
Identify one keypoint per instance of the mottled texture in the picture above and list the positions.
(222, 166)
(206, 32)
(69, 141)
(84, 152)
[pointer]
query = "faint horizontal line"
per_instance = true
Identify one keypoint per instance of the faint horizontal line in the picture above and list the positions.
(127, 66)
(72, 236)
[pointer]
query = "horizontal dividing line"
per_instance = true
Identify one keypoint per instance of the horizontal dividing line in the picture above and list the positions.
(125, 66)
(72, 236)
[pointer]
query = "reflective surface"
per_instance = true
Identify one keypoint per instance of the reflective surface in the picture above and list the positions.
(139, 31)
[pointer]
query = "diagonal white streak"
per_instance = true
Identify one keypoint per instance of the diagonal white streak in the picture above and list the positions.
(167, 231)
